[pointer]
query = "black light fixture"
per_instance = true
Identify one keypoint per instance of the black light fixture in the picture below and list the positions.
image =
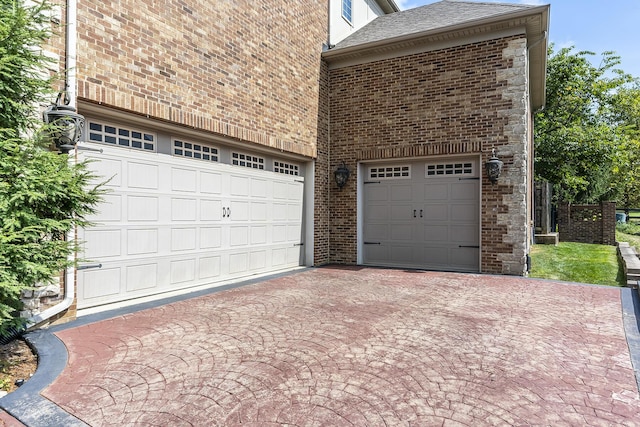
(65, 125)
(341, 175)
(493, 167)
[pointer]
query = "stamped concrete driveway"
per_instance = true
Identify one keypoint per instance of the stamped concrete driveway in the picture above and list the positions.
(359, 347)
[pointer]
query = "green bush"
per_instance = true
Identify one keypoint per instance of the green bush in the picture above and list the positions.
(42, 196)
(628, 228)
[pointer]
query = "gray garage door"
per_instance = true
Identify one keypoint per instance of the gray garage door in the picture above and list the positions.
(423, 215)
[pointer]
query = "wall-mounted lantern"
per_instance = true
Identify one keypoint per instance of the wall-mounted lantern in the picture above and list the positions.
(65, 125)
(493, 167)
(341, 175)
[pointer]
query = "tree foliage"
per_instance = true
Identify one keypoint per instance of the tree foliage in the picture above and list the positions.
(577, 135)
(42, 195)
(23, 64)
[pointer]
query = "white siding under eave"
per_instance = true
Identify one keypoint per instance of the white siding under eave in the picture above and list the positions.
(363, 12)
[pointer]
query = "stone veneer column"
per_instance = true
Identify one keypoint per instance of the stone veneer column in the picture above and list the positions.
(517, 146)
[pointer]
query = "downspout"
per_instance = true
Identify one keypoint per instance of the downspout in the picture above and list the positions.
(70, 86)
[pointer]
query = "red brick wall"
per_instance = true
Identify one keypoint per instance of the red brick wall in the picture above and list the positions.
(442, 102)
(248, 69)
(587, 223)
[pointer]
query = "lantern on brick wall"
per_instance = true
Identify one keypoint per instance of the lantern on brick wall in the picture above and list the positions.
(493, 167)
(65, 125)
(341, 175)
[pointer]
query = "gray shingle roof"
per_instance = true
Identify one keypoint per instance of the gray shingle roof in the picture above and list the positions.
(427, 18)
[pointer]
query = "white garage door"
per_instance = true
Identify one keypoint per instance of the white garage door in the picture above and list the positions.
(169, 223)
(422, 215)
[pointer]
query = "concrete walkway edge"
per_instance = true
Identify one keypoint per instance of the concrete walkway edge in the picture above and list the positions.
(630, 316)
(26, 404)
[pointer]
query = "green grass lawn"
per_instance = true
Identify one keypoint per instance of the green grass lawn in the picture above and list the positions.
(629, 233)
(577, 262)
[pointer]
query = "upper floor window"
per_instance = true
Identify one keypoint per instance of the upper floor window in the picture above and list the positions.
(346, 10)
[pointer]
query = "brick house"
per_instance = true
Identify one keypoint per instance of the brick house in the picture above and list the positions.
(221, 123)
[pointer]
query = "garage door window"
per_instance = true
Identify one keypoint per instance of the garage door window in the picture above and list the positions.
(447, 169)
(286, 168)
(247, 160)
(390, 172)
(124, 137)
(195, 151)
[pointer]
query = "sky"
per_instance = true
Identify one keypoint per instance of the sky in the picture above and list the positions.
(592, 25)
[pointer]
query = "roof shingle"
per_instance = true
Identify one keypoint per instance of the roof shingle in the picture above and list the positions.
(433, 16)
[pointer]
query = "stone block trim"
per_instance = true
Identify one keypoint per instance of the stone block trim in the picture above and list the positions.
(462, 100)
(200, 65)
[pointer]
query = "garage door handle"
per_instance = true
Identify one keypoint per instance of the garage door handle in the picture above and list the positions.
(414, 213)
(420, 213)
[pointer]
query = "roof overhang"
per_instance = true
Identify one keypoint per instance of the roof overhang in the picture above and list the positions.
(388, 6)
(532, 22)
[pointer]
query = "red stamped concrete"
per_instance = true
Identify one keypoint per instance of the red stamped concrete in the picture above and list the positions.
(363, 347)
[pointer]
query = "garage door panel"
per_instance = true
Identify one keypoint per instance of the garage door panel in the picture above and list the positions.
(436, 212)
(99, 284)
(238, 262)
(210, 237)
(466, 258)
(437, 191)
(464, 190)
(239, 186)
(376, 192)
(183, 209)
(142, 175)
(436, 233)
(109, 169)
(210, 183)
(257, 259)
(183, 239)
(210, 210)
(239, 210)
(259, 188)
(183, 270)
(401, 212)
(437, 256)
(143, 276)
(404, 254)
(110, 209)
(103, 244)
(466, 234)
(402, 232)
(401, 193)
(239, 235)
(465, 213)
(140, 241)
(173, 233)
(209, 267)
(375, 212)
(184, 180)
(258, 211)
(142, 208)
(376, 232)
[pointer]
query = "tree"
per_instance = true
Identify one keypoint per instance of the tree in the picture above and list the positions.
(576, 140)
(626, 113)
(42, 194)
